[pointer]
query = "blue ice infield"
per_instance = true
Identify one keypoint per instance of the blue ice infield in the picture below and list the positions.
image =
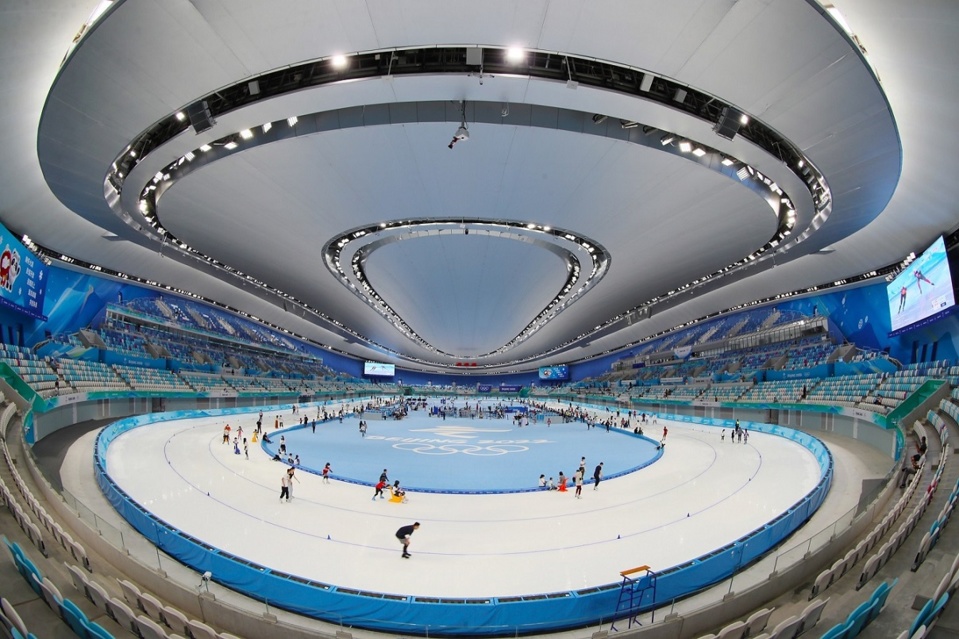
(463, 455)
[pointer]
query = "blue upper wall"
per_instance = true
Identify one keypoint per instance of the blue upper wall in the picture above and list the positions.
(75, 300)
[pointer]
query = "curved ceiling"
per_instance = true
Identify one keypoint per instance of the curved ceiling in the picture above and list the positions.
(666, 219)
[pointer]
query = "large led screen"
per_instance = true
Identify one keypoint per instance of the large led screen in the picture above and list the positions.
(923, 291)
(559, 373)
(23, 277)
(376, 369)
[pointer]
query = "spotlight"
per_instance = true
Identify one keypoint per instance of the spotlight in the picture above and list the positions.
(628, 124)
(699, 151)
(667, 139)
(292, 120)
(599, 118)
(515, 55)
(338, 61)
(685, 146)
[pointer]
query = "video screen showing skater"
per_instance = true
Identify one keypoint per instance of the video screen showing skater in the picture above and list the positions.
(377, 369)
(923, 289)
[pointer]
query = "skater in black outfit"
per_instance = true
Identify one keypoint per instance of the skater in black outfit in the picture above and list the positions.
(404, 534)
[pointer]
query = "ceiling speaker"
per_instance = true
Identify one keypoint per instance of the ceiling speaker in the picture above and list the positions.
(200, 118)
(728, 124)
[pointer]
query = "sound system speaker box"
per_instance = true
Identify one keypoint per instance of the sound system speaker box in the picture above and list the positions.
(200, 118)
(728, 124)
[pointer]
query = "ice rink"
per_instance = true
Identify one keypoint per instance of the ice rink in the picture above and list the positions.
(701, 494)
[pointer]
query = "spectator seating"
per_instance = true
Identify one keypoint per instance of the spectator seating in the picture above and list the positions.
(863, 614)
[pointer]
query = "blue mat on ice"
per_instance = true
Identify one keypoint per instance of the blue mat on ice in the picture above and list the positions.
(463, 455)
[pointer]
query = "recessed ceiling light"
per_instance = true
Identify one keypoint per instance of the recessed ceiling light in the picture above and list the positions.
(338, 61)
(246, 134)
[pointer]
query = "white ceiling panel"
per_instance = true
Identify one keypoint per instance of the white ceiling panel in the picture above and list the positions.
(664, 220)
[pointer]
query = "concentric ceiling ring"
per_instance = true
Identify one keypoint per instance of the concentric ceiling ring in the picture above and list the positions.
(696, 103)
(586, 263)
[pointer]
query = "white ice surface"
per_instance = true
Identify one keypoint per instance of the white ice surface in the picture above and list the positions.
(703, 494)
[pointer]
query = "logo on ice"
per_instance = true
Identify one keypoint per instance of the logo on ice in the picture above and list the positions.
(467, 440)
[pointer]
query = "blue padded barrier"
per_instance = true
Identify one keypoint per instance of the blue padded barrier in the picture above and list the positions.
(439, 616)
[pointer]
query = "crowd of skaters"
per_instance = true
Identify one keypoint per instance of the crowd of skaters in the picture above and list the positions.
(737, 435)
(578, 479)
